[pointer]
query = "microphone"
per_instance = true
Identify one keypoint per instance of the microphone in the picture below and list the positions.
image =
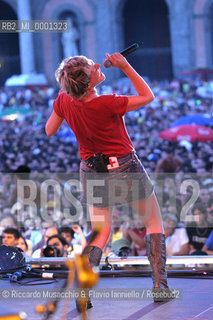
(125, 52)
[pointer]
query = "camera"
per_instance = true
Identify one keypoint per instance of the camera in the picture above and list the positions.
(51, 251)
(124, 252)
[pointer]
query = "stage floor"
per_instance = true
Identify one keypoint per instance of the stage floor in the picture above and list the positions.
(196, 302)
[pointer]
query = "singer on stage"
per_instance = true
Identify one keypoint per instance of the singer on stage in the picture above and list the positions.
(105, 147)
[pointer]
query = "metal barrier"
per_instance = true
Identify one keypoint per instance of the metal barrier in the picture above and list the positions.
(122, 261)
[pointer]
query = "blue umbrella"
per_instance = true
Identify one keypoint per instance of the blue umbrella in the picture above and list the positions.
(193, 119)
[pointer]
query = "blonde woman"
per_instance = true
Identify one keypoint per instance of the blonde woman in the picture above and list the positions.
(106, 148)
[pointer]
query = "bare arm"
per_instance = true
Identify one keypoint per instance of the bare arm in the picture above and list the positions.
(206, 249)
(184, 250)
(53, 124)
(76, 228)
(145, 94)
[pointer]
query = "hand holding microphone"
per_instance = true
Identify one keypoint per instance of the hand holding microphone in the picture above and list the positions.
(125, 52)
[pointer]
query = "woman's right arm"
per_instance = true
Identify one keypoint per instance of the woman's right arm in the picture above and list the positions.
(53, 124)
(145, 94)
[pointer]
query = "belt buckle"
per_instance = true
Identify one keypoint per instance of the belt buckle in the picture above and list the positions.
(113, 163)
(90, 162)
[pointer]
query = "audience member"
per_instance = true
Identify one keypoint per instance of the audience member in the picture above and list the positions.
(198, 230)
(7, 221)
(23, 244)
(177, 241)
(169, 163)
(48, 233)
(10, 237)
(136, 236)
(59, 243)
(76, 246)
(66, 232)
(208, 246)
(120, 248)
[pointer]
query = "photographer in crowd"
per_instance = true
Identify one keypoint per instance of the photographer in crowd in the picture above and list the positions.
(56, 247)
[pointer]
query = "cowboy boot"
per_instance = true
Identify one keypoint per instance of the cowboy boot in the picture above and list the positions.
(94, 255)
(156, 251)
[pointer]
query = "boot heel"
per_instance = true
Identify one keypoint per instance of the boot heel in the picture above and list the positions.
(162, 295)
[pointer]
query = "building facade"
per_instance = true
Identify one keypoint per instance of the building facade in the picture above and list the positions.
(175, 35)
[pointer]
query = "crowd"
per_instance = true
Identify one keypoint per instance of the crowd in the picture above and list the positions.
(181, 171)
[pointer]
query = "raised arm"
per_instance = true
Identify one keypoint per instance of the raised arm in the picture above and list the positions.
(145, 94)
(53, 124)
(76, 228)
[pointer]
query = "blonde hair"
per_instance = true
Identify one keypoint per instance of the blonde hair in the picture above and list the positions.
(73, 75)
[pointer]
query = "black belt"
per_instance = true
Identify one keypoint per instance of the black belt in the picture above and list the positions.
(103, 163)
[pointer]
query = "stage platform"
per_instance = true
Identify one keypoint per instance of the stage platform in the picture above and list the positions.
(196, 301)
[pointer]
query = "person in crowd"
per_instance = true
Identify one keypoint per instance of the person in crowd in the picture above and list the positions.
(37, 237)
(23, 173)
(208, 246)
(56, 246)
(59, 243)
(7, 221)
(76, 246)
(177, 241)
(210, 213)
(48, 233)
(10, 237)
(33, 227)
(66, 232)
(204, 195)
(169, 163)
(136, 235)
(198, 230)
(120, 248)
(116, 232)
(22, 244)
(104, 148)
